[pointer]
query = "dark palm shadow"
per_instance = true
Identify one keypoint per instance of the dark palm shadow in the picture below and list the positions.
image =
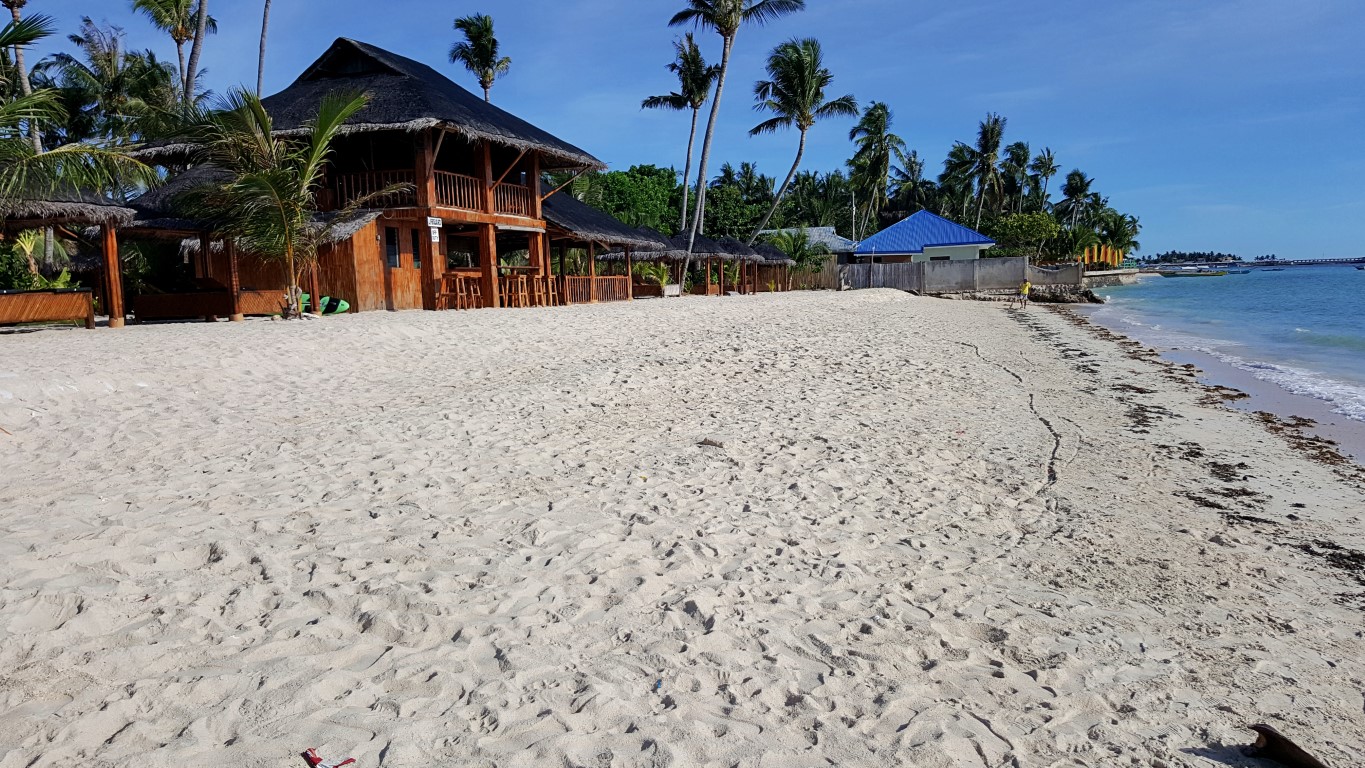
(1228, 755)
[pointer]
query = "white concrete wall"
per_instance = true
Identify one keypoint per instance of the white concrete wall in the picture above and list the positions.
(953, 252)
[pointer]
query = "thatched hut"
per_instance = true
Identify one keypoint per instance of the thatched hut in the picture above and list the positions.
(774, 272)
(68, 209)
(473, 169)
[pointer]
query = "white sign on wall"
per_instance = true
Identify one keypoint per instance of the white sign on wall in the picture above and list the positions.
(434, 222)
(435, 235)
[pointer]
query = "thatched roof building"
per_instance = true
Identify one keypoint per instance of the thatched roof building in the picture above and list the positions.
(64, 207)
(739, 250)
(772, 254)
(569, 218)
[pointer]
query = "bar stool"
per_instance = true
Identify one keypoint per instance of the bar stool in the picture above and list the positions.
(540, 292)
(471, 293)
(449, 295)
(521, 291)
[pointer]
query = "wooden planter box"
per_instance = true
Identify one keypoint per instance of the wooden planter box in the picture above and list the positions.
(47, 306)
(643, 291)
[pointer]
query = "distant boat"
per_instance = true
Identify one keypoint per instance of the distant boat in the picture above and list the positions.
(1239, 271)
(1360, 267)
(1192, 272)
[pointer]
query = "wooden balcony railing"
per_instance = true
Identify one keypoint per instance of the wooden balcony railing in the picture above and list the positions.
(453, 190)
(350, 187)
(513, 199)
(580, 290)
(459, 191)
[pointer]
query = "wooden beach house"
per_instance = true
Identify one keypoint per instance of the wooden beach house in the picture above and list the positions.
(475, 229)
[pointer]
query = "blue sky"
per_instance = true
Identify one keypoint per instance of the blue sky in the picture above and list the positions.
(1229, 125)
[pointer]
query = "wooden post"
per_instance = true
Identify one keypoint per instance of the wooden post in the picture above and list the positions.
(488, 197)
(721, 275)
(534, 183)
(113, 277)
(234, 281)
(630, 281)
(488, 264)
(592, 273)
(426, 179)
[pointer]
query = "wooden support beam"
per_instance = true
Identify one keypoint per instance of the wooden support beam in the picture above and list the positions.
(440, 140)
(554, 191)
(630, 279)
(592, 273)
(510, 168)
(205, 247)
(535, 187)
(433, 262)
(708, 275)
(426, 179)
(489, 206)
(113, 277)
(234, 281)
(488, 265)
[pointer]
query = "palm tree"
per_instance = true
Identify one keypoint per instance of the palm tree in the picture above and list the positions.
(25, 85)
(1118, 230)
(111, 91)
(695, 78)
(478, 52)
(912, 191)
(1044, 166)
(27, 172)
(1076, 195)
(269, 205)
(179, 19)
(955, 183)
(795, 93)
(260, 64)
(810, 256)
(201, 31)
(725, 17)
(1014, 172)
(878, 147)
(986, 155)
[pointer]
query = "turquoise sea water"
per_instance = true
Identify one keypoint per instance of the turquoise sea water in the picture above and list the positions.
(1302, 329)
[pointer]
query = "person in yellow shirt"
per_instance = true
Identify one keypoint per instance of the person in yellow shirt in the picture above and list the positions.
(1024, 289)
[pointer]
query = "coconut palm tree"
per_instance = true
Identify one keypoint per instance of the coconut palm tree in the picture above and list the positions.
(201, 31)
(955, 183)
(1118, 230)
(27, 172)
(179, 19)
(695, 78)
(878, 149)
(1076, 196)
(726, 17)
(795, 93)
(260, 64)
(478, 52)
(1044, 166)
(110, 91)
(1014, 175)
(986, 154)
(911, 190)
(269, 204)
(810, 256)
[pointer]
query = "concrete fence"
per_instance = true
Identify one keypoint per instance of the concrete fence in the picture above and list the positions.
(977, 275)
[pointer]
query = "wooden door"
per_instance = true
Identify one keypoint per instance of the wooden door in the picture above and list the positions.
(402, 268)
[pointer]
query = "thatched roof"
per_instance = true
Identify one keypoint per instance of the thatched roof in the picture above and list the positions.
(160, 203)
(342, 230)
(738, 249)
(772, 254)
(405, 95)
(70, 206)
(676, 250)
(583, 222)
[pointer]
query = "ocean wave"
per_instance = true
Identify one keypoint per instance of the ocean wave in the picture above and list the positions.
(1346, 398)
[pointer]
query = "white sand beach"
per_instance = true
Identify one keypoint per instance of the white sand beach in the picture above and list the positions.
(801, 529)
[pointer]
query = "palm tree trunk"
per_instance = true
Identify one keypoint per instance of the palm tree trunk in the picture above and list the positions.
(1042, 204)
(260, 65)
(980, 204)
(700, 210)
(800, 150)
(487, 97)
(180, 54)
(25, 85)
(201, 30)
(687, 169)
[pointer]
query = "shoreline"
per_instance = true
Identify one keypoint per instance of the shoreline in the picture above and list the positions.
(1262, 395)
(860, 526)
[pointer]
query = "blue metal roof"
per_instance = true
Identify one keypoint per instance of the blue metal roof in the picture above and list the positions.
(919, 231)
